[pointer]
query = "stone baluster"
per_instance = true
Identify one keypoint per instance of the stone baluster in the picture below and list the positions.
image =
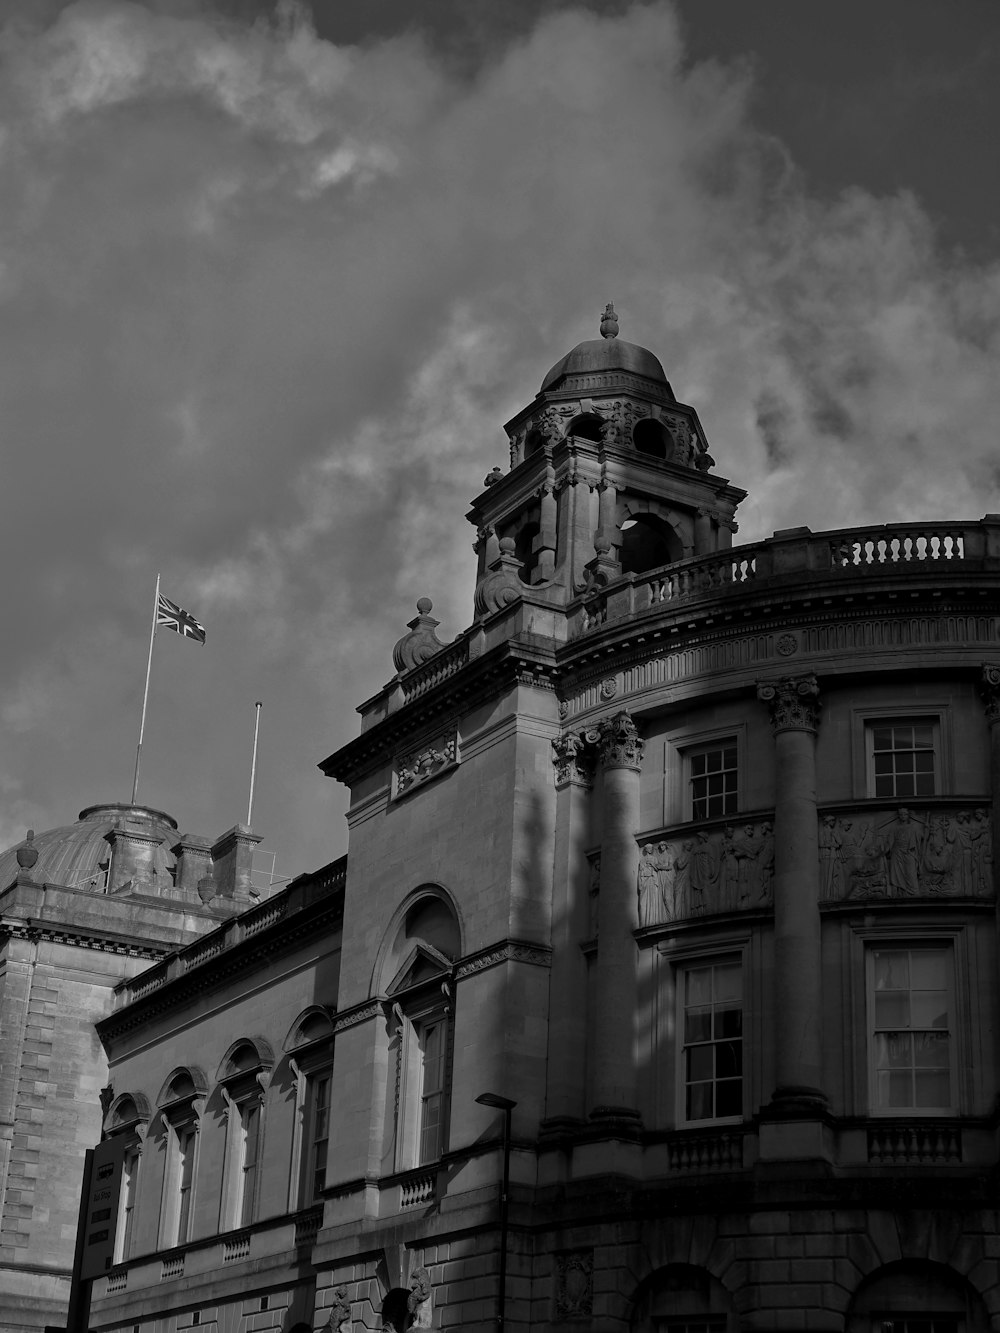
(614, 1084)
(794, 706)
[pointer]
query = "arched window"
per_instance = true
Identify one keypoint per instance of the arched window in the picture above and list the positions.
(425, 942)
(647, 543)
(651, 437)
(587, 426)
(912, 1296)
(180, 1102)
(310, 1044)
(684, 1298)
(243, 1075)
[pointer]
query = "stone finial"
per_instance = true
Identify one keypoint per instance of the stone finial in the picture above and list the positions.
(609, 322)
(421, 642)
(492, 477)
(28, 854)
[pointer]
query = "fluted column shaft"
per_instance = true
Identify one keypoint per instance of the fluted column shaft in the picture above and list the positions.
(794, 705)
(614, 1084)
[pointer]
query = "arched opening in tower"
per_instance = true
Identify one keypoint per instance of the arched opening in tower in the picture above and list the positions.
(652, 437)
(647, 543)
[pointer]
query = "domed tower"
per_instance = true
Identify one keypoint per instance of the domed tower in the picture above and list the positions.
(82, 908)
(610, 475)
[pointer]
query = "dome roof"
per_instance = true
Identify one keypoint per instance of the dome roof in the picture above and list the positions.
(76, 856)
(607, 353)
(603, 354)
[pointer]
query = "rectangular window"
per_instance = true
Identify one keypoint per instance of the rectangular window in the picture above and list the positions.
(902, 757)
(126, 1203)
(910, 1029)
(433, 1039)
(249, 1150)
(186, 1141)
(319, 1135)
(713, 779)
(711, 1024)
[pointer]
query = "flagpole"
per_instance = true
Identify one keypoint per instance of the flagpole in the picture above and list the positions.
(253, 766)
(145, 693)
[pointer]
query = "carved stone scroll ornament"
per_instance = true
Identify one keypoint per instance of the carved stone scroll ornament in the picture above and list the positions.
(421, 765)
(502, 585)
(989, 688)
(793, 701)
(421, 643)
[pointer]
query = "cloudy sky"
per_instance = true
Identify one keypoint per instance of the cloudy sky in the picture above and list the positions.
(273, 276)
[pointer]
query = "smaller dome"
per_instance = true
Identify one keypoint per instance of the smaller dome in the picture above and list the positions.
(607, 353)
(601, 355)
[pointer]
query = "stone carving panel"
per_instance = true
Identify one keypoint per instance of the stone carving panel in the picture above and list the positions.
(906, 854)
(706, 872)
(575, 1284)
(412, 770)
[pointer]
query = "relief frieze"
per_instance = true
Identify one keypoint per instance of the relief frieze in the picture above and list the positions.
(413, 769)
(906, 854)
(707, 872)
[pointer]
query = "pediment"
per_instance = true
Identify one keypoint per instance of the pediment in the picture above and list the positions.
(422, 963)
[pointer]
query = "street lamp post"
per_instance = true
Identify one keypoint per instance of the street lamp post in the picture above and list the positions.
(506, 1105)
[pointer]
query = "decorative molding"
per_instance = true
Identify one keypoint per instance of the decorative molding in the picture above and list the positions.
(360, 1013)
(574, 1295)
(511, 951)
(786, 644)
(793, 702)
(609, 687)
(431, 760)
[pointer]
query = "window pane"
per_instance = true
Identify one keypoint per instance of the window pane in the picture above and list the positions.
(931, 1050)
(928, 969)
(891, 970)
(699, 986)
(699, 1101)
(700, 1064)
(729, 1098)
(933, 1088)
(728, 981)
(728, 1059)
(929, 1009)
(892, 1010)
(698, 1025)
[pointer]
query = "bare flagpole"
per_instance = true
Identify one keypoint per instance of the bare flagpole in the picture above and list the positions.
(145, 693)
(253, 766)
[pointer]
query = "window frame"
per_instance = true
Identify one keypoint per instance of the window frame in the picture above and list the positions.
(310, 1064)
(244, 1096)
(866, 719)
(427, 1005)
(682, 969)
(678, 804)
(177, 1214)
(911, 944)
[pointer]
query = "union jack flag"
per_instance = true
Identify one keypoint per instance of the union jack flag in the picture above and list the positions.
(170, 614)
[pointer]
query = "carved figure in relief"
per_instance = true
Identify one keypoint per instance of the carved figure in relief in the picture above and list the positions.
(704, 871)
(682, 877)
(831, 837)
(649, 886)
(765, 862)
(861, 860)
(937, 862)
(745, 850)
(965, 837)
(902, 845)
(729, 870)
(984, 854)
(665, 866)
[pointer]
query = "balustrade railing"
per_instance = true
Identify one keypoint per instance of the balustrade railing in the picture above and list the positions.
(906, 1145)
(851, 551)
(446, 663)
(417, 1190)
(706, 1152)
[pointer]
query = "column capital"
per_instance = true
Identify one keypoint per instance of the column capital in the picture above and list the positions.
(574, 761)
(989, 689)
(793, 701)
(618, 742)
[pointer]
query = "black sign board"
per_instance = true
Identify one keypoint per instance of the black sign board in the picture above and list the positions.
(100, 1217)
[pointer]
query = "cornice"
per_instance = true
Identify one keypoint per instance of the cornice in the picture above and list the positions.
(512, 662)
(82, 939)
(261, 948)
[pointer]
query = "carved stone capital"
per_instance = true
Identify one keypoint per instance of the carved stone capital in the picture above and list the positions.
(989, 688)
(618, 742)
(793, 702)
(573, 759)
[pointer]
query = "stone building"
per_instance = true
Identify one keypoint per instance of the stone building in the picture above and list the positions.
(682, 855)
(81, 908)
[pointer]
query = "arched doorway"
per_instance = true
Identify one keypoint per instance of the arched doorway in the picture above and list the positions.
(916, 1296)
(647, 543)
(682, 1298)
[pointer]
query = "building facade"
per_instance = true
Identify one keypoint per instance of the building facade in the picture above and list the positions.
(81, 908)
(682, 853)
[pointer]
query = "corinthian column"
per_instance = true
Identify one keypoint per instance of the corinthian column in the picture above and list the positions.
(614, 1084)
(990, 690)
(794, 706)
